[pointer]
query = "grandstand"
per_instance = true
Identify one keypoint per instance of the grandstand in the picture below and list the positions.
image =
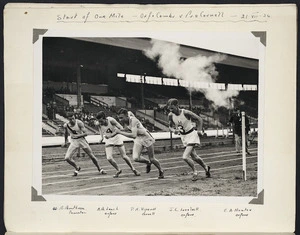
(100, 61)
(106, 74)
(46, 133)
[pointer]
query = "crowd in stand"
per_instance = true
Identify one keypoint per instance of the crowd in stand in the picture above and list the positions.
(83, 115)
(51, 110)
(88, 116)
(196, 109)
(49, 91)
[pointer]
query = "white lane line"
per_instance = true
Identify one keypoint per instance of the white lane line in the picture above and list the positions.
(53, 174)
(131, 182)
(107, 186)
(188, 177)
(163, 159)
(88, 172)
(230, 167)
(92, 169)
(158, 147)
(109, 177)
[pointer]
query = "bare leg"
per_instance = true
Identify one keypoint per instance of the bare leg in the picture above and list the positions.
(198, 159)
(127, 160)
(186, 157)
(109, 156)
(152, 158)
(125, 157)
(136, 154)
(68, 157)
(93, 158)
(72, 163)
(155, 161)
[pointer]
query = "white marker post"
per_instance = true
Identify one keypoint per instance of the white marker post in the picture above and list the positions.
(244, 146)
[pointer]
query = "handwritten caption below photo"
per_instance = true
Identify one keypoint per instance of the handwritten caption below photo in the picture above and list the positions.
(181, 212)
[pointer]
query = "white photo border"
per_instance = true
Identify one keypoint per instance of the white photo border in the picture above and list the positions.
(39, 34)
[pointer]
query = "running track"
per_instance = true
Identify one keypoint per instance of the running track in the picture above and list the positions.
(57, 176)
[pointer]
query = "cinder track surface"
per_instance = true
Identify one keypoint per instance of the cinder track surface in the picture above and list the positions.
(226, 169)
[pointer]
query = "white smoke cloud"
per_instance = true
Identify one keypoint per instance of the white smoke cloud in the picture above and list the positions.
(220, 98)
(198, 68)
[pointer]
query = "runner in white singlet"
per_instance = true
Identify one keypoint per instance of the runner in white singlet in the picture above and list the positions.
(106, 126)
(75, 128)
(142, 138)
(180, 122)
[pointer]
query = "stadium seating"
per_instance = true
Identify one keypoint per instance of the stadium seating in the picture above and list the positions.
(71, 98)
(146, 123)
(91, 108)
(46, 133)
(154, 100)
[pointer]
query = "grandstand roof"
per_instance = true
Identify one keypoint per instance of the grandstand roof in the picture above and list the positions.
(186, 51)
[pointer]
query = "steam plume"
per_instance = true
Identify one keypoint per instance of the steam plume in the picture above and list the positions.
(198, 68)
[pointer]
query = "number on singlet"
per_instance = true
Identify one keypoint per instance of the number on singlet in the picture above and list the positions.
(181, 130)
(109, 130)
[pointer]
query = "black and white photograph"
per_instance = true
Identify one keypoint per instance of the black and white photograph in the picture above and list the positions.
(151, 116)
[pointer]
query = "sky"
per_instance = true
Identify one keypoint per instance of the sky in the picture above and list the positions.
(243, 44)
(236, 43)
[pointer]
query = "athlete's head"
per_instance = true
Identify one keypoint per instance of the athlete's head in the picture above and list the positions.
(71, 117)
(172, 105)
(123, 115)
(101, 117)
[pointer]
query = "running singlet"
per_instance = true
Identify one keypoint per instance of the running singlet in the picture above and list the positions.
(183, 124)
(109, 128)
(74, 130)
(141, 130)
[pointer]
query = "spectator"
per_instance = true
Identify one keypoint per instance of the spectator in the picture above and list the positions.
(54, 110)
(49, 111)
(236, 121)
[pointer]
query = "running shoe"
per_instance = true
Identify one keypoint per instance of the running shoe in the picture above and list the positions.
(117, 174)
(102, 172)
(195, 177)
(148, 167)
(208, 175)
(161, 175)
(77, 171)
(136, 172)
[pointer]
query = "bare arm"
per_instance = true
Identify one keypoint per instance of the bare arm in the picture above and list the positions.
(199, 121)
(82, 128)
(101, 133)
(172, 126)
(115, 123)
(66, 135)
(132, 134)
